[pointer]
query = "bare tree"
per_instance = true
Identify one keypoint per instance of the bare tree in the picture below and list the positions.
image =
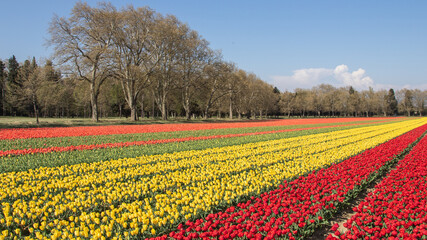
(135, 53)
(250, 95)
(341, 102)
(233, 90)
(286, 103)
(353, 102)
(194, 56)
(83, 42)
(316, 98)
(241, 95)
(216, 83)
(328, 99)
(405, 101)
(302, 102)
(380, 102)
(170, 36)
(265, 99)
(369, 102)
(420, 98)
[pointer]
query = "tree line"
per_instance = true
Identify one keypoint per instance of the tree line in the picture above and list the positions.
(28, 89)
(137, 63)
(326, 100)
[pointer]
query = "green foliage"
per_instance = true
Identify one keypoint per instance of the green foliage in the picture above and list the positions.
(391, 102)
(15, 96)
(13, 67)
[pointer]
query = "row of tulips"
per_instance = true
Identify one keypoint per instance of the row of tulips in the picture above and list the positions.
(54, 159)
(397, 208)
(145, 196)
(25, 133)
(33, 143)
(297, 208)
(13, 152)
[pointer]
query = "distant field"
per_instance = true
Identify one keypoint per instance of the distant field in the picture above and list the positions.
(29, 122)
(25, 122)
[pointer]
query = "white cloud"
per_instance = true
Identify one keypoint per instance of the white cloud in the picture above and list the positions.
(302, 78)
(309, 77)
(356, 78)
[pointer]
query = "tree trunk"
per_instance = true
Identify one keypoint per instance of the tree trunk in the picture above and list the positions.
(3, 100)
(120, 111)
(133, 110)
(187, 106)
(164, 112)
(142, 105)
(94, 103)
(186, 103)
(187, 115)
(231, 107)
(154, 105)
(36, 111)
(133, 113)
(206, 113)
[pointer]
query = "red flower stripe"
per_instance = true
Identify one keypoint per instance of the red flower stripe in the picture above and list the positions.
(297, 207)
(16, 133)
(14, 152)
(397, 208)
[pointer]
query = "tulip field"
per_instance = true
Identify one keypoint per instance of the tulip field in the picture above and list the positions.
(273, 179)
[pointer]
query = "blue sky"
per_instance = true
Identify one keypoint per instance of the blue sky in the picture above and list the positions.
(289, 44)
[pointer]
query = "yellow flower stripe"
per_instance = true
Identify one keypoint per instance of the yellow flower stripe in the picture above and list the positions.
(139, 195)
(45, 180)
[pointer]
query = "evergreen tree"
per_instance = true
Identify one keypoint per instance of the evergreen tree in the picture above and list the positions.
(31, 83)
(351, 90)
(51, 75)
(13, 86)
(391, 102)
(12, 76)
